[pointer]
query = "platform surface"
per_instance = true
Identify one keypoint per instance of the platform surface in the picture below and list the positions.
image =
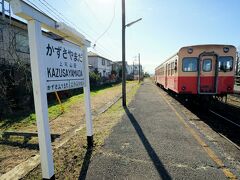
(151, 143)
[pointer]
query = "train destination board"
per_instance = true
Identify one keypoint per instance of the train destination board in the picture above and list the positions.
(63, 65)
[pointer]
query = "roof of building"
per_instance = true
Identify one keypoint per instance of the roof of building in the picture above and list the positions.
(92, 54)
(21, 24)
(7, 20)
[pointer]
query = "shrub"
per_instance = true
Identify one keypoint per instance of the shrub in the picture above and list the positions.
(94, 78)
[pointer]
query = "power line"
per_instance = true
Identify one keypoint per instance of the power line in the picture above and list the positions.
(94, 15)
(90, 27)
(50, 8)
(35, 6)
(117, 46)
(48, 11)
(61, 17)
(68, 21)
(109, 26)
(92, 12)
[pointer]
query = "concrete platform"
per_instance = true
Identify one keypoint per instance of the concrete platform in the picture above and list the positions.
(151, 143)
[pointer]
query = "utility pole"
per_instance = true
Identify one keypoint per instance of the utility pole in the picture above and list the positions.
(123, 56)
(124, 25)
(139, 70)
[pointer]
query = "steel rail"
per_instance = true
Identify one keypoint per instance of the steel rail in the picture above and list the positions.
(229, 141)
(224, 118)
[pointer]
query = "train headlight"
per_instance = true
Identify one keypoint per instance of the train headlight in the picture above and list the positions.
(229, 88)
(225, 49)
(183, 88)
(190, 50)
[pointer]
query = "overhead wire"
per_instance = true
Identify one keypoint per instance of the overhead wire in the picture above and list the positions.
(117, 46)
(36, 7)
(94, 16)
(100, 23)
(61, 17)
(50, 11)
(47, 11)
(91, 28)
(109, 26)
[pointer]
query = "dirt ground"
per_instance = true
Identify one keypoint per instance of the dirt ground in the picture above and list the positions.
(234, 100)
(73, 158)
(15, 151)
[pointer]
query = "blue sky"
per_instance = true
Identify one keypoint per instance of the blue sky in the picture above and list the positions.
(167, 25)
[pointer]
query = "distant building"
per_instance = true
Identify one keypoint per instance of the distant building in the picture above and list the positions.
(14, 47)
(15, 70)
(135, 70)
(13, 42)
(100, 64)
(15, 55)
(128, 70)
(116, 68)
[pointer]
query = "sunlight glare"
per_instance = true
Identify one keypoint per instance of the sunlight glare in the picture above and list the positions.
(106, 1)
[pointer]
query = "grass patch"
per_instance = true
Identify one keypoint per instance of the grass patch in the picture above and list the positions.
(74, 157)
(54, 110)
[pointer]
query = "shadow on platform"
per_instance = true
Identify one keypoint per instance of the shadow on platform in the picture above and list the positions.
(151, 152)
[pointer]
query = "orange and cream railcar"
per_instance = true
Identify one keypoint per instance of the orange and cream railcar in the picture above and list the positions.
(200, 69)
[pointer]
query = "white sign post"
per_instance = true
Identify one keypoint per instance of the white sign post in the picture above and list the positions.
(55, 66)
(88, 102)
(40, 99)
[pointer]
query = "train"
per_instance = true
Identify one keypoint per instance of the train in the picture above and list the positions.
(199, 70)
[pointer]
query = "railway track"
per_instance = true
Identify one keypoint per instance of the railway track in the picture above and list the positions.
(222, 117)
(226, 119)
(230, 121)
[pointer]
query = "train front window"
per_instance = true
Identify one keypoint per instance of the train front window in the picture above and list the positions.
(189, 64)
(225, 63)
(207, 65)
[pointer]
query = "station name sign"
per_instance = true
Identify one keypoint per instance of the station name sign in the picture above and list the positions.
(63, 65)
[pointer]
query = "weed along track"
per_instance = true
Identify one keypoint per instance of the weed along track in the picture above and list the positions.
(67, 125)
(72, 159)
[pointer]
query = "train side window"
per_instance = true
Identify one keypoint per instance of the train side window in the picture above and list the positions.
(189, 64)
(207, 65)
(172, 68)
(225, 63)
(175, 66)
(168, 68)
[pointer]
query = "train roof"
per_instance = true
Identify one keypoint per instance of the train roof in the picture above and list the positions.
(166, 60)
(192, 46)
(202, 45)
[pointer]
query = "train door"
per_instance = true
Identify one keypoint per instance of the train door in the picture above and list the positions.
(207, 79)
(166, 73)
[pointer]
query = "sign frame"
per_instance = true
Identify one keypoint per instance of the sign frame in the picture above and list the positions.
(36, 21)
(64, 66)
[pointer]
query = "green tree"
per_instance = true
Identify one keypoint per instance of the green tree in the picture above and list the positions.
(94, 78)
